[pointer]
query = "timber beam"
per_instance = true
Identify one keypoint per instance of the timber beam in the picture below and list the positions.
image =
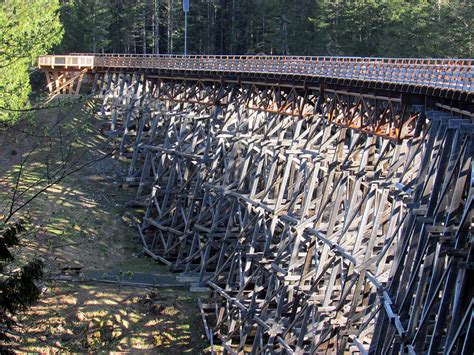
(322, 219)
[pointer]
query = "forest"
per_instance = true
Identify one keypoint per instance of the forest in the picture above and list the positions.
(391, 28)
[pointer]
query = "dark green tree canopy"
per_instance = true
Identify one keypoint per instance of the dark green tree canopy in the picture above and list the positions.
(401, 28)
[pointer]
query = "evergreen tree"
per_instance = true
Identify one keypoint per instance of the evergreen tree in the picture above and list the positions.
(86, 24)
(17, 285)
(415, 28)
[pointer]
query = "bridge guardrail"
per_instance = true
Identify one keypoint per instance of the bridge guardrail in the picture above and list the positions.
(66, 61)
(456, 74)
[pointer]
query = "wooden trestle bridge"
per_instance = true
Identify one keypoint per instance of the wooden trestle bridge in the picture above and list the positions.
(326, 202)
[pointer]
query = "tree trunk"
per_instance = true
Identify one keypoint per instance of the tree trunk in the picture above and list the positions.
(170, 26)
(156, 28)
(144, 30)
(233, 39)
(221, 25)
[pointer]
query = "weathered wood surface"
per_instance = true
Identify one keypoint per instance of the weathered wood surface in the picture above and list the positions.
(313, 233)
(451, 78)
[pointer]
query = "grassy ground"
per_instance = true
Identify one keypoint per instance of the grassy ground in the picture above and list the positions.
(82, 223)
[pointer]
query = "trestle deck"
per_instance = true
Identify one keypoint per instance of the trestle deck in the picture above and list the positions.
(322, 218)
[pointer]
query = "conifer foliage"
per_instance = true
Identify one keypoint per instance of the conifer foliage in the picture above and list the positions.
(17, 286)
(398, 28)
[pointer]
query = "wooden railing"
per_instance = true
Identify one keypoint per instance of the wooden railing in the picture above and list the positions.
(456, 74)
(66, 61)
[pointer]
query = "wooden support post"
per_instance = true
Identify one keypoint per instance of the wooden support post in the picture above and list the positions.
(322, 220)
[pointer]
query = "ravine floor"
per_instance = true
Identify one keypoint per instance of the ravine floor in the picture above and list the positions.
(82, 227)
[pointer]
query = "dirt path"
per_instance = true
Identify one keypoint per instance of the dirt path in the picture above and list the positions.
(83, 224)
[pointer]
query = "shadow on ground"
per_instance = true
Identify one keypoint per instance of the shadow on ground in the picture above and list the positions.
(99, 318)
(81, 223)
